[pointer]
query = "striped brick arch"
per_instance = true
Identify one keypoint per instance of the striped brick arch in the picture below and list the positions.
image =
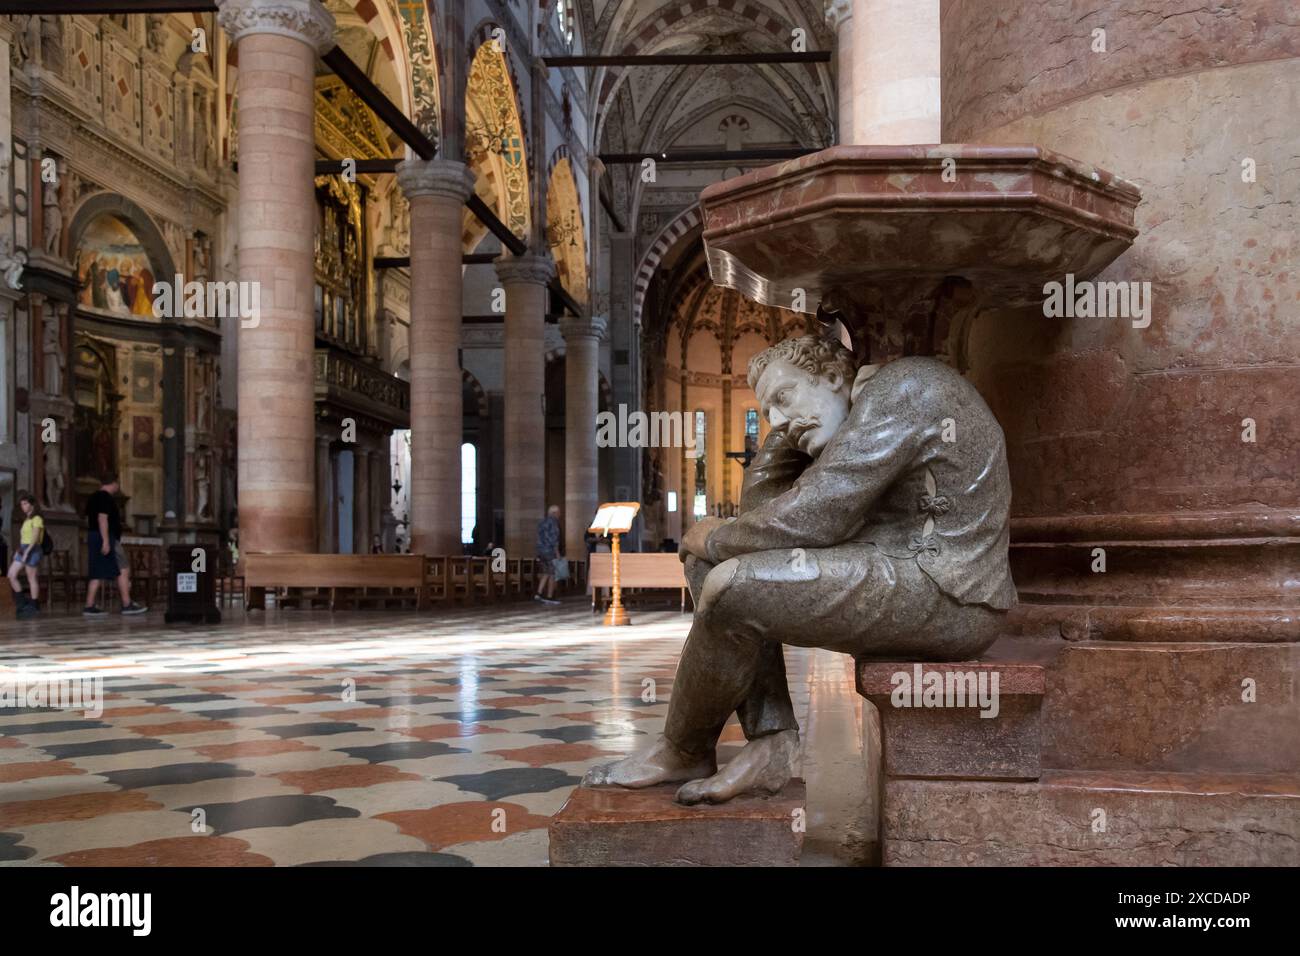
(668, 237)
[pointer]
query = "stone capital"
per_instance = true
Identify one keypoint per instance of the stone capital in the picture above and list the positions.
(837, 11)
(528, 267)
(305, 20)
(444, 178)
(573, 328)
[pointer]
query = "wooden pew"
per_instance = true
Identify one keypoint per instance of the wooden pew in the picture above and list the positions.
(335, 573)
(637, 570)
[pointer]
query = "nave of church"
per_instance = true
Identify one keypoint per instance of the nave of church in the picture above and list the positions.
(855, 433)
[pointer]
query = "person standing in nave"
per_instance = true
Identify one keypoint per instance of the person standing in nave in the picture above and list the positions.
(107, 558)
(548, 552)
(31, 543)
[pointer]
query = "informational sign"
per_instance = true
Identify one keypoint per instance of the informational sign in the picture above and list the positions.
(187, 583)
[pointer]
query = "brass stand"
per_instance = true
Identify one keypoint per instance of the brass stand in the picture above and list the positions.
(616, 616)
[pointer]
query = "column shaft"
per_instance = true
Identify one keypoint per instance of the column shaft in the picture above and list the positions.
(524, 278)
(893, 80)
(581, 403)
(437, 190)
(277, 59)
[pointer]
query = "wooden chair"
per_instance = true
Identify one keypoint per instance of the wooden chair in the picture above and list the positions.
(63, 578)
(437, 585)
(460, 578)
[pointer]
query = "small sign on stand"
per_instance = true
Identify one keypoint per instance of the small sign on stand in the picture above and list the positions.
(614, 519)
(191, 588)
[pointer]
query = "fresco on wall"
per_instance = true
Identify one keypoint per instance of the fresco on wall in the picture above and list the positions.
(113, 270)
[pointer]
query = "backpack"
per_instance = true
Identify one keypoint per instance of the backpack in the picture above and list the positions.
(47, 543)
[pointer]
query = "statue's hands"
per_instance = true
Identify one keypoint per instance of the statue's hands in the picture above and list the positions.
(696, 540)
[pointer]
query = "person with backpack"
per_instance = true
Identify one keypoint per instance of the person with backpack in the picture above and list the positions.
(31, 549)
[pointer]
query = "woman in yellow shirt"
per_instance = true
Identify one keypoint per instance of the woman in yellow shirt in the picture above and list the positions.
(28, 556)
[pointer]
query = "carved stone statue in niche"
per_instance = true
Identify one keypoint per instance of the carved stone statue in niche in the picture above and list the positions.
(11, 263)
(861, 530)
(52, 348)
(202, 397)
(54, 480)
(202, 258)
(52, 43)
(203, 485)
(53, 217)
(157, 33)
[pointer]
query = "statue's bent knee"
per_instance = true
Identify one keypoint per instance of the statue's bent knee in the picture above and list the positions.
(716, 584)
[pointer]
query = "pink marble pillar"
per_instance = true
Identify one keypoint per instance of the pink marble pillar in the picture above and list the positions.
(839, 16)
(889, 95)
(524, 278)
(581, 403)
(437, 190)
(278, 41)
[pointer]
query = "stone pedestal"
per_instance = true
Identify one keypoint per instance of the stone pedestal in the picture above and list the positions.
(1101, 753)
(278, 41)
(610, 826)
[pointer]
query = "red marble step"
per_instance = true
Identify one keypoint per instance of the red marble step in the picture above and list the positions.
(610, 826)
(933, 726)
(1095, 819)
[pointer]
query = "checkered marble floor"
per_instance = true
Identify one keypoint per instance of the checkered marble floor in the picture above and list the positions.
(305, 738)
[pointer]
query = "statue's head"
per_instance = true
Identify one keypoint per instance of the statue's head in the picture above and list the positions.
(804, 387)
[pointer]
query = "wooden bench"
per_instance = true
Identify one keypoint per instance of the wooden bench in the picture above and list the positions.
(637, 570)
(335, 573)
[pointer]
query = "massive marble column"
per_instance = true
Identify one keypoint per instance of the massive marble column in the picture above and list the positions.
(524, 278)
(625, 340)
(889, 94)
(437, 189)
(277, 41)
(839, 15)
(581, 403)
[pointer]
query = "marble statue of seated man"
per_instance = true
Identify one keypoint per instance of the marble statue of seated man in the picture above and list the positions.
(874, 521)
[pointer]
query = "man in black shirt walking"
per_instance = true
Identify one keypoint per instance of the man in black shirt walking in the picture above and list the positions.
(107, 559)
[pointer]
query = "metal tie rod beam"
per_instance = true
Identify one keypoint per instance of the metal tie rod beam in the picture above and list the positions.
(689, 59)
(69, 8)
(709, 155)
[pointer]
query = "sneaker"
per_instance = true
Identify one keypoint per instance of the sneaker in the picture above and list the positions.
(134, 608)
(93, 612)
(551, 601)
(538, 597)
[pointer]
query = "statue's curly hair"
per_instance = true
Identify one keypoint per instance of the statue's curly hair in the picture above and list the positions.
(812, 353)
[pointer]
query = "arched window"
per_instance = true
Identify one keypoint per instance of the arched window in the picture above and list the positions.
(701, 504)
(468, 492)
(751, 429)
(564, 21)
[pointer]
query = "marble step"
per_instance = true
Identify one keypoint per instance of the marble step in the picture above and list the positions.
(1073, 818)
(1092, 705)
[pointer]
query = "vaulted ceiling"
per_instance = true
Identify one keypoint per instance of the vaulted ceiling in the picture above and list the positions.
(651, 109)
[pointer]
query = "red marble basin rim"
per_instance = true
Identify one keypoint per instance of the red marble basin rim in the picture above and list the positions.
(799, 187)
(923, 156)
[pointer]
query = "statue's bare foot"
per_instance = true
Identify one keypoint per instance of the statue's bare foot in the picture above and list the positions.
(763, 765)
(661, 762)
